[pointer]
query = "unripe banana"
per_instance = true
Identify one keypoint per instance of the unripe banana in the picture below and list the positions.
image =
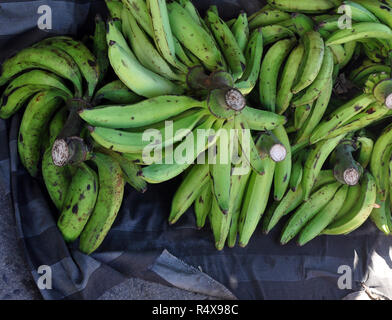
(307, 211)
(380, 217)
(110, 195)
(141, 114)
(255, 201)
(203, 205)
(359, 213)
(322, 79)
(283, 168)
(34, 122)
(305, 6)
(50, 59)
(240, 30)
(253, 55)
(289, 75)
(269, 72)
(227, 43)
(163, 36)
(79, 203)
(157, 173)
(238, 187)
(323, 218)
(315, 161)
(57, 179)
(313, 59)
(131, 72)
(116, 92)
(194, 37)
(340, 116)
(359, 31)
(188, 191)
(85, 60)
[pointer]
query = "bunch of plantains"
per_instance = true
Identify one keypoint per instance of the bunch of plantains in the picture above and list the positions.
(293, 103)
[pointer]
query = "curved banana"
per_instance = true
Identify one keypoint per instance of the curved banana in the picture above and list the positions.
(100, 47)
(238, 188)
(261, 120)
(380, 9)
(301, 114)
(240, 30)
(283, 168)
(302, 23)
(56, 179)
(274, 33)
(194, 37)
(144, 50)
(136, 142)
(188, 191)
(10, 104)
(365, 150)
(297, 171)
(372, 113)
(269, 72)
(380, 214)
(220, 168)
(136, 77)
(195, 144)
(129, 168)
(313, 60)
(79, 203)
(303, 5)
(315, 161)
(227, 43)
(322, 79)
(37, 78)
(139, 10)
(307, 211)
(317, 113)
(253, 55)
(109, 199)
(359, 213)
(292, 200)
(359, 31)
(116, 92)
(323, 218)
(85, 60)
(34, 122)
(267, 17)
(50, 59)
(163, 36)
(203, 204)
(358, 12)
(255, 201)
(379, 162)
(340, 116)
(289, 74)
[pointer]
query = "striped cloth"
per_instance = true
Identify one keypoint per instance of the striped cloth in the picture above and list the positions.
(141, 244)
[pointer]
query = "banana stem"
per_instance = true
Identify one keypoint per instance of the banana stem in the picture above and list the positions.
(346, 169)
(269, 145)
(72, 150)
(74, 123)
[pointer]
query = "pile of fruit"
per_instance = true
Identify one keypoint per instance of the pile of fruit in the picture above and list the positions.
(292, 102)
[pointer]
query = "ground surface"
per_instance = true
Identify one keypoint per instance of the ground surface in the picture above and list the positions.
(17, 283)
